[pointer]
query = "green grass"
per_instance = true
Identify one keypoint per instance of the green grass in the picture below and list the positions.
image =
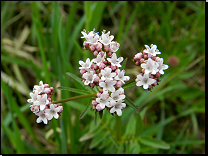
(41, 41)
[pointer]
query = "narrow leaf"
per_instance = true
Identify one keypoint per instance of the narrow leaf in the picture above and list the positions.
(87, 108)
(79, 80)
(74, 90)
(96, 118)
(155, 143)
(101, 114)
(129, 85)
(124, 64)
(131, 104)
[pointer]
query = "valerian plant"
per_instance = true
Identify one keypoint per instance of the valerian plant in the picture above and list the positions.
(104, 77)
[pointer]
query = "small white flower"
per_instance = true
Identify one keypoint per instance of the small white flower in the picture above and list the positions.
(108, 85)
(121, 76)
(89, 76)
(116, 97)
(153, 50)
(41, 101)
(117, 107)
(106, 74)
(33, 95)
(92, 37)
(105, 38)
(144, 81)
(85, 65)
(114, 61)
(99, 58)
(52, 112)
(104, 100)
(114, 46)
(162, 66)
(42, 117)
(40, 87)
(150, 66)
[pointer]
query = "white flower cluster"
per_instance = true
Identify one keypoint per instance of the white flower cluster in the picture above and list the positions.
(104, 71)
(41, 98)
(152, 67)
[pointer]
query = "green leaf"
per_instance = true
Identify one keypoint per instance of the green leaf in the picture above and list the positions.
(101, 114)
(87, 108)
(129, 85)
(155, 143)
(95, 118)
(98, 139)
(124, 64)
(131, 104)
(134, 147)
(79, 80)
(79, 91)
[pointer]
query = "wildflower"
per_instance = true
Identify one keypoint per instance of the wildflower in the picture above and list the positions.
(105, 38)
(89, 77)
(85, 65)
(103, 100)
(153, 50)
(144, 81)
(108, 85)
(114, 61)
(162, 66)
(42, 117)
(52, 112)
(120, 76)
(114, 46)
(117, 107)
(150, 66)
(107, 74)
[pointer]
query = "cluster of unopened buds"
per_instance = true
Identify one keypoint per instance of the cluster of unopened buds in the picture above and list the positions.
(104, 71)
(152, 67)
(41, 99)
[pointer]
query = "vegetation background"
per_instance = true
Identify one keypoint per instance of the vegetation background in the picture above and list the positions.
(40, 40)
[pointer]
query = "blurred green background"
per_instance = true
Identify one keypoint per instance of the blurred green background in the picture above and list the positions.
(41, 41)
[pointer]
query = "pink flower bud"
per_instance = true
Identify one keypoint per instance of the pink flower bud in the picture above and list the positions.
(92, 84)
(94, 103)
(119, 83)
(85, 44)
(100, 75)
(138, 56)
(107, 48)
(109, 53)
(96, 79)
(94, 107)
(82, 71)
(101, 91)
(113, 67)
(143, 70)
(157, 74)
(47, 90)
(92, 48)
(157, 59)
(96, 67)
(51, 88)
(99, 46)
(102, 65)
(98, 107)
(146, 57)
(46, 86)
(142, 60)
(95, 53)
(102, 54)
(137, 63)
(98, 95)
(61, 109)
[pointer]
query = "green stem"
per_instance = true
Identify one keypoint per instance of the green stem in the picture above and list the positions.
(118, 127)
(73, 98)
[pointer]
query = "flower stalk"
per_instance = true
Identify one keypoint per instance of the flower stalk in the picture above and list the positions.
(75, 97)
